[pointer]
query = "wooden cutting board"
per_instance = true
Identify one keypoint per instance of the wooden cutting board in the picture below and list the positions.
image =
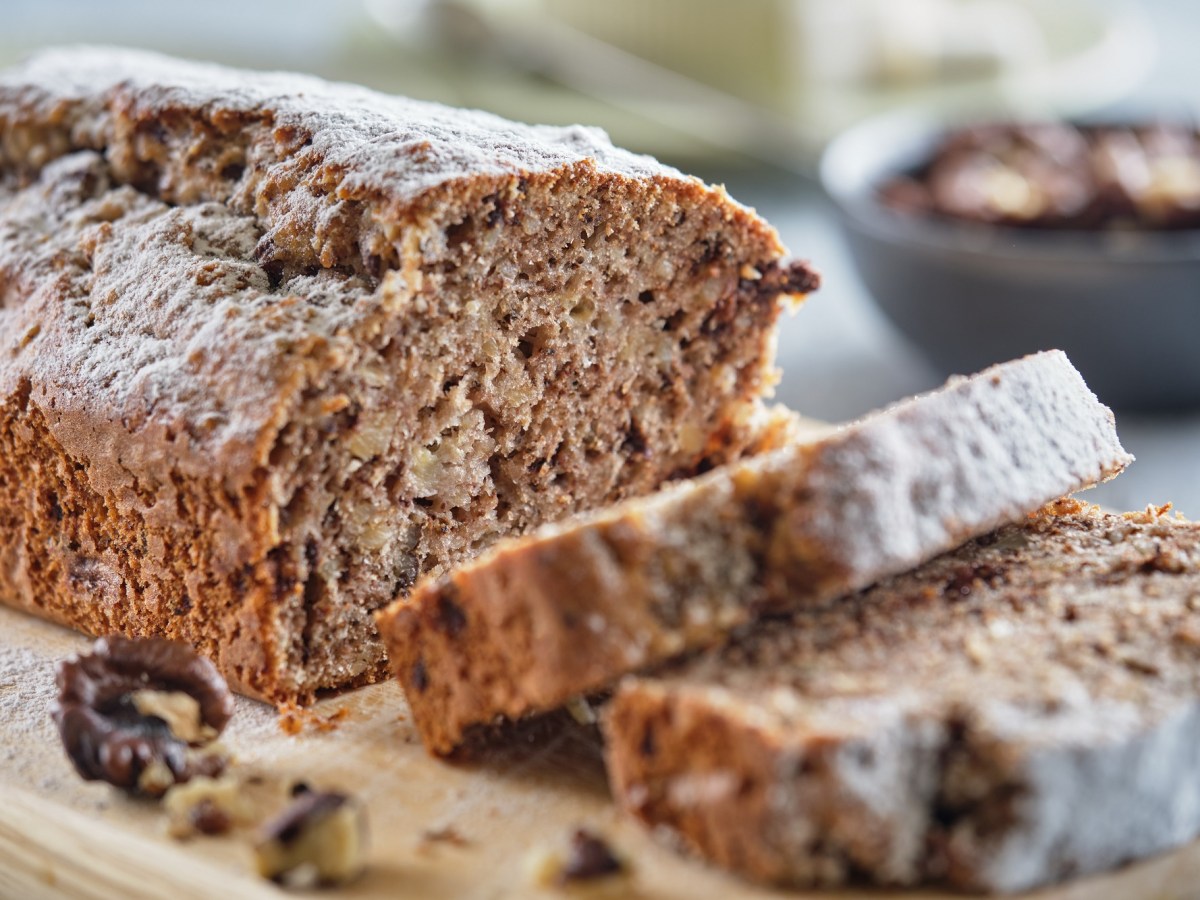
(61, 837)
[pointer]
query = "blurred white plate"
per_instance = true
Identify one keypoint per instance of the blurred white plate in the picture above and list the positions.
(522, 62)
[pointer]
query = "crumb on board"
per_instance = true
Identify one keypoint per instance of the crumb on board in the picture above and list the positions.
(446, 834)
(294, 719)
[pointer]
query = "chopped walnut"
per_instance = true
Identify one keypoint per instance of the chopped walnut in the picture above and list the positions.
(217, 805)
(1055, 175)
(319, 839)
(587, 859)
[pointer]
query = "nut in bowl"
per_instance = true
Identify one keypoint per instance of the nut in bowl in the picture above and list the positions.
(983, 243)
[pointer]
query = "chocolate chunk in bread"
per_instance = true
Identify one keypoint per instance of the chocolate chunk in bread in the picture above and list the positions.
(274, 348)
(1019, 711)
(571, 608)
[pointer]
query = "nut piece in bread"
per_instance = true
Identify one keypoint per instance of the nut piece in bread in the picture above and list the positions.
(587, 861)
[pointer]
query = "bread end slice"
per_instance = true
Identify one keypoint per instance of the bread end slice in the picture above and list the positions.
(1019, 711)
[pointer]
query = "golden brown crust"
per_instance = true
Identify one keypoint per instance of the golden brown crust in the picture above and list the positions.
(273, 348)
(568, 610)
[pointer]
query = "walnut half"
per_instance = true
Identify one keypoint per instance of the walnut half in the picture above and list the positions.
(132, 713)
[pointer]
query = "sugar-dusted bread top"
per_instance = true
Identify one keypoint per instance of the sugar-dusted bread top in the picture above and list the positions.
(392, 149)
(1053, 615)
(1017, 711)
(572, 607)
(188, 251)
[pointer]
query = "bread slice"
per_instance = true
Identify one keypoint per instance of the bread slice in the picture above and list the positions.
(535, 622)
(1021, 710)
(274, 348)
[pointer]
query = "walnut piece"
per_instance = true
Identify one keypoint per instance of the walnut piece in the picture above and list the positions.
(581, 711)
(319, 839)
(587, 859)
(205, 806)
(179, 711)
(133, 712)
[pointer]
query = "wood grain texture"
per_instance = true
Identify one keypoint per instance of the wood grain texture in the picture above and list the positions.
(60, 837)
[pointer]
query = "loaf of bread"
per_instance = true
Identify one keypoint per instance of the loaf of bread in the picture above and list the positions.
(537, 621)
(275, 348)
(1019, 711)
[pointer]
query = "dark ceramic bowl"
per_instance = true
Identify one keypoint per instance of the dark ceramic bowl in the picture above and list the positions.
(1125, 306)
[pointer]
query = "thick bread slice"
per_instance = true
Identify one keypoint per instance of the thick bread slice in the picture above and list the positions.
(273, 348)
(535, 622)
(1021, 710)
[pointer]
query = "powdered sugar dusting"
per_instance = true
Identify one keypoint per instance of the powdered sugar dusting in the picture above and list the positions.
(390, 144)
(935, 470)
(28, 658)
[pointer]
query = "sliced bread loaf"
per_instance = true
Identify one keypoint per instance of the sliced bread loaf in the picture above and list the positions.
(1018, 711)
(273, 348)
(566, 611)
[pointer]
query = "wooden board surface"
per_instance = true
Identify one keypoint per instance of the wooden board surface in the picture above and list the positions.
(61, 837)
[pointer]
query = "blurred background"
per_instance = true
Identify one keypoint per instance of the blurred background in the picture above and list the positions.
(749, 94)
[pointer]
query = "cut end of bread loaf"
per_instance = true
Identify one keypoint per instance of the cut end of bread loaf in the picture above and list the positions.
(568, 610)
(278, 348)
(1014, 713)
